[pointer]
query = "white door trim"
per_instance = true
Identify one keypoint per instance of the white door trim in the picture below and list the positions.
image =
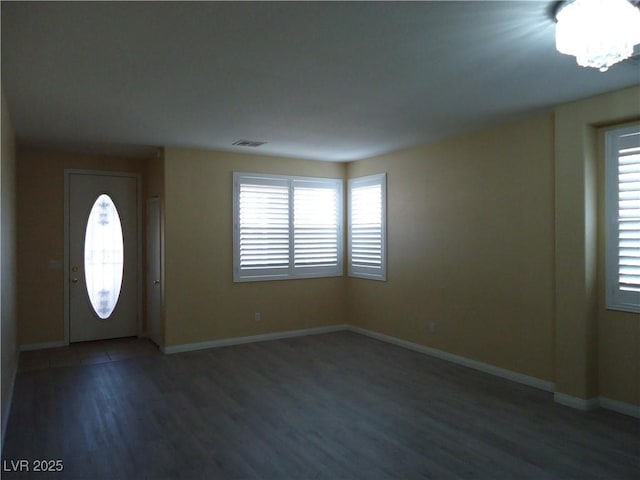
(67, 174)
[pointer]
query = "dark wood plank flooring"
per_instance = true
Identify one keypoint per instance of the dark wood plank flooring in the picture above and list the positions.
(335, 406)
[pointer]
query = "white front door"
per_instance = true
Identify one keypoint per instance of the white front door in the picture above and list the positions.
(102, 256)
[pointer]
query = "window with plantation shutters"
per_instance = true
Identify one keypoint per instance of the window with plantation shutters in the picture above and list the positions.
(316, 228)
(622, 211)
(286, 227)
(367, 227)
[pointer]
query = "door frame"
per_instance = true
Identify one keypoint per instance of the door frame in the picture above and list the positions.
(67, 277)
(154, 199)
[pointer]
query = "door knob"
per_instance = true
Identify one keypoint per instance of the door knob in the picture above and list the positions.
(156, 282)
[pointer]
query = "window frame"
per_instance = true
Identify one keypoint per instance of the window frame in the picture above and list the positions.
(291, 271)
(615, 297)
(355, 271)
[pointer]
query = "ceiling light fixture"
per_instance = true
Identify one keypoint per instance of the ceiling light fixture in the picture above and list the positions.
(599, 33)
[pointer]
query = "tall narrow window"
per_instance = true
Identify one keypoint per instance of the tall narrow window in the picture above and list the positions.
(103, 256)
(263, 223)
(316, 225)
(367, 227)
(286, 227)
(622, 210)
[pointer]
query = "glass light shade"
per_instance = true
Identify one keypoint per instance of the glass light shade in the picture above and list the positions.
(599, 33)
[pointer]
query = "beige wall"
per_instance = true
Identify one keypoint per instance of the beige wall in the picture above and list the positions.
(530, 294)
(9, 348)
(470, 247)
(597, 352)
(202, 302)
(40, 184)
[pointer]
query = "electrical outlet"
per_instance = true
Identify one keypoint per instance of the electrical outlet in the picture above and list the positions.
(257, 316)
(432, 327)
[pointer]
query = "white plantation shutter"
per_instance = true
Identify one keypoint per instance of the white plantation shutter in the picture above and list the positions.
(367, 227)
(316, 225)
(622, 185)
(264, 225)
(286, 227)
(629, 217)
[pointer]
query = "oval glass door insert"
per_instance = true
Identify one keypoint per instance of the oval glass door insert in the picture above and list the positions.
(103, 256)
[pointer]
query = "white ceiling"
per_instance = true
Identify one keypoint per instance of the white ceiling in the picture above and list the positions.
(330, 81)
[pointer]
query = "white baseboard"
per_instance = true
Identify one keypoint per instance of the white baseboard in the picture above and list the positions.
(6, 409)
(561, 398)
(467, 362)
(597, 402)
(41, 346)
(620, 407)
(457, 359)
(578, 403)
(188, 347)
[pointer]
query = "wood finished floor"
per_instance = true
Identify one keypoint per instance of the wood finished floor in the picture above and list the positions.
(335, 406)
(87, 352)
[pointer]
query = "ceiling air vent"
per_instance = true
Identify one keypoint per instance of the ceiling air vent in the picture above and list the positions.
(248, 143)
